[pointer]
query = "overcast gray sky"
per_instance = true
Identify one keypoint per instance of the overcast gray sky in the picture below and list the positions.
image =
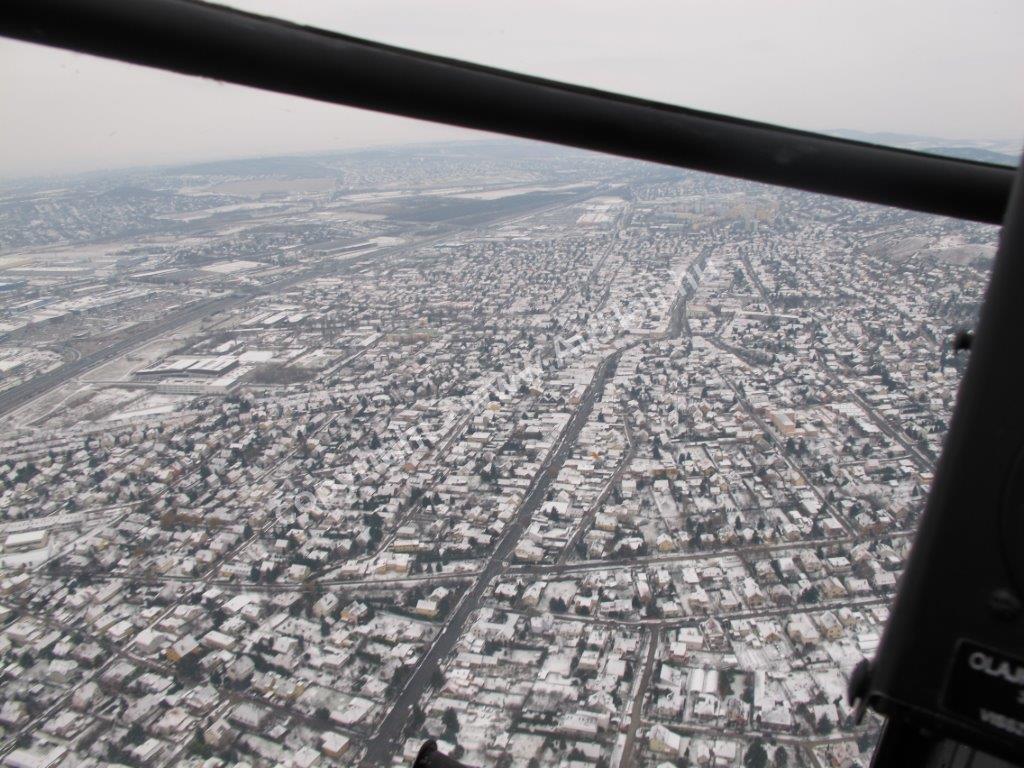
(932, 67)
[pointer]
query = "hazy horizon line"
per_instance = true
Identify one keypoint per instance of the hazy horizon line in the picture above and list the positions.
(9, 182)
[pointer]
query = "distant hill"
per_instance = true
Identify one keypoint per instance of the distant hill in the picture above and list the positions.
(257, 166)
(130, 193)
(975, 153)
(998, 152)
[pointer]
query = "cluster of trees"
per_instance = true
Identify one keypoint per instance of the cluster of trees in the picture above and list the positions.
(756, 756)
(450, 721)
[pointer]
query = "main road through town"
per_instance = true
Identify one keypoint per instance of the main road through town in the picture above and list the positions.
(387, 739)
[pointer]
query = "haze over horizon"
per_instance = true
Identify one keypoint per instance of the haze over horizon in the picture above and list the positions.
(933, 69)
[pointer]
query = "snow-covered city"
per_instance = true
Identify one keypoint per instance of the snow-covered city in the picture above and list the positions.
(556, 458)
